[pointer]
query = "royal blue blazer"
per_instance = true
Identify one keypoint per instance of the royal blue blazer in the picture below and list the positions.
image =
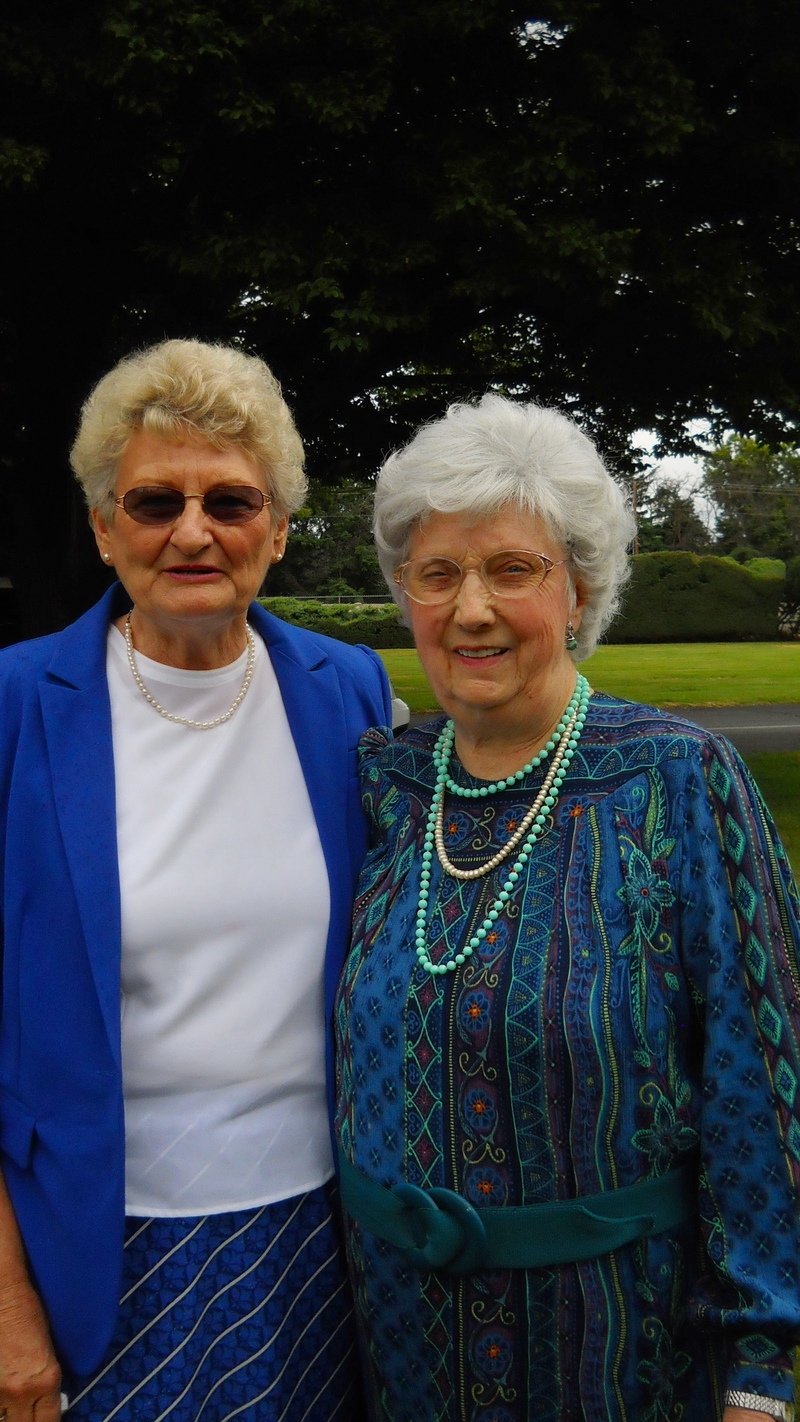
(61, 1108)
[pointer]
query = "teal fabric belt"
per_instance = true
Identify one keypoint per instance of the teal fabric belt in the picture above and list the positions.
(439, 1229)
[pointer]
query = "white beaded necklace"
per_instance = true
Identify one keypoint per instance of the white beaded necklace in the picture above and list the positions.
(186, 720)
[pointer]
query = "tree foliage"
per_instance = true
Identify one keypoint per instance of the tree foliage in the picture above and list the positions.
(670, 522)
(398, 205)
(330, 549)
(757, 494)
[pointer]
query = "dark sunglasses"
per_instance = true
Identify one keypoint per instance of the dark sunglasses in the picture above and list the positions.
(227, 503)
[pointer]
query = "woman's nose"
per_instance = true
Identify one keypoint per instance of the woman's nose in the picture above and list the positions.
(191, 530)
(473, 606)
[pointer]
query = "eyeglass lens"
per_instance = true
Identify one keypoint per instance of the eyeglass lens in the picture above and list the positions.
(227, 503)
(511, 573)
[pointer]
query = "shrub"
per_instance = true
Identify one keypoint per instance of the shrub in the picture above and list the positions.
(347, 622)
(682, 597)
(766, 567)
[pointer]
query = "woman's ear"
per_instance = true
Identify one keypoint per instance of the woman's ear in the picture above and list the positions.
(101, 537)
(581, 601)
(279, 539)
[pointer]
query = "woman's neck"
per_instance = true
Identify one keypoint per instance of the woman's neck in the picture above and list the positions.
(191, 646)
(492, 744)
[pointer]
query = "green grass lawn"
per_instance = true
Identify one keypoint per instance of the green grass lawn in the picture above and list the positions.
(678, 673)
(778, 776)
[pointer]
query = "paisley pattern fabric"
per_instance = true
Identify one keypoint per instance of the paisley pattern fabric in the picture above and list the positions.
(244, 1315)
(636, 1004)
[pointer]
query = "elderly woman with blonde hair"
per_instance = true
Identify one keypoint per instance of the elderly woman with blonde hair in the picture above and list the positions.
(569, 1026)
(182, 829)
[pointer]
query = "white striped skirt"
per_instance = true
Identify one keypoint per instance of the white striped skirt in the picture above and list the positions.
(246, 1315)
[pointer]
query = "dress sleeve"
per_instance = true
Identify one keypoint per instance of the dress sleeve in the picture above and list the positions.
(377, 792)
(741, 932)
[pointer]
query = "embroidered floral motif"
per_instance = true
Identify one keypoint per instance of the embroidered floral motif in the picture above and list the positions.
(475, 1009)
(645, 894)
(457, 827)
(485, 1186)
(493, 1354)
(479, 1110)
(495, 941)
(648, 896)
(660, 1372)
(508, 823)
(666, 1136)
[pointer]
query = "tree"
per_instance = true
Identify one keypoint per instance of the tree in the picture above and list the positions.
(757, 492)
(398, 205)
(330, 548)
(670, 523)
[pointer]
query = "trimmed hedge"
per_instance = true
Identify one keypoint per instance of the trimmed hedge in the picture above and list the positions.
(766, 567)
(683, 597)
(377, 626)
(671, 597)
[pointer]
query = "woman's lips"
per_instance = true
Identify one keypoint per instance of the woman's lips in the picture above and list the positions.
(479, 656)
(199, 573)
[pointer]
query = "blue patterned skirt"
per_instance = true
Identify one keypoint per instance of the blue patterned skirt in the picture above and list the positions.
(244, 1315)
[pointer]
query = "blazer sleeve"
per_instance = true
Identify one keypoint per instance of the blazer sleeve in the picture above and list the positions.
(373, 693)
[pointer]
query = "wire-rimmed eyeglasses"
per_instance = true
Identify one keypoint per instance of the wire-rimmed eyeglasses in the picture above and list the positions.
(514, 572)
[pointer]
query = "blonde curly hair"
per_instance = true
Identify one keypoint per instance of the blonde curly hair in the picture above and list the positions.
(230, 398)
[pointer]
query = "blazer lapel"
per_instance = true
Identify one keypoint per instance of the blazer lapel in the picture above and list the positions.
(312, 697)
(313, 701)
(77, 720)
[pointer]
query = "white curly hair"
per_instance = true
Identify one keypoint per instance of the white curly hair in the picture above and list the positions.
(478, 459)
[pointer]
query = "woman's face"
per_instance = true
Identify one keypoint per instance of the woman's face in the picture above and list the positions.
(194, 568)
(488, 653)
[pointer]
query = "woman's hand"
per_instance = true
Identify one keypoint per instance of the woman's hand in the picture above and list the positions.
(30, 1377)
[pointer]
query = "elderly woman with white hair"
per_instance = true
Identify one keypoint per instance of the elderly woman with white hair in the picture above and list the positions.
(182, 829)
(569, 1069)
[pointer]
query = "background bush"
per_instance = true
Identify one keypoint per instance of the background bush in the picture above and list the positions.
(376, 626)
(682, 597)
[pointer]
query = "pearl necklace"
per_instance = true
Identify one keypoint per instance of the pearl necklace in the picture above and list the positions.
(186, 720)
(531, 829)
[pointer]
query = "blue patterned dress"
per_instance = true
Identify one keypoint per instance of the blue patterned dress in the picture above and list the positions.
(637, 1003)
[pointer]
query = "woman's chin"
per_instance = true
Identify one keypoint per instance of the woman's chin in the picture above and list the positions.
(476, 693)
(195, 600)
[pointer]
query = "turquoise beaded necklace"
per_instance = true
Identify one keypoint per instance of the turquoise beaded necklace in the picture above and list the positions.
(564, 742)
(466, 792)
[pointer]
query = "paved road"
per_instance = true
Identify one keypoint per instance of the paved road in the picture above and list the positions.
(751, 728)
